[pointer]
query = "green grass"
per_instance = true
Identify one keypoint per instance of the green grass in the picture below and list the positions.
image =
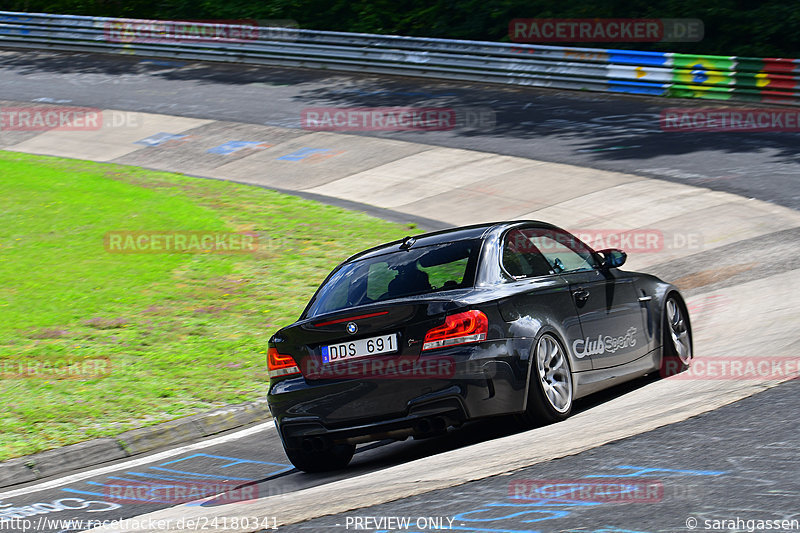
(182, 333)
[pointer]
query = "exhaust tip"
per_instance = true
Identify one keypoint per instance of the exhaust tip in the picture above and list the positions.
(307, 445)
(423, 426)
(319, 444)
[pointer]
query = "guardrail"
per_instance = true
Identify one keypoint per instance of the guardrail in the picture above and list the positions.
(593, 69)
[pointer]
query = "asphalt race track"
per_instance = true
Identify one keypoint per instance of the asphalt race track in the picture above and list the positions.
(708, 449)
(249, 462)
(720, 466)
(592, 130)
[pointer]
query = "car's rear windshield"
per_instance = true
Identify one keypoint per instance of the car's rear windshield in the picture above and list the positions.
(398, 274)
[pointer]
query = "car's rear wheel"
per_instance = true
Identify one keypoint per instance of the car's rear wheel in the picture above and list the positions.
(550, 392)
(309, 459)
(677, 339)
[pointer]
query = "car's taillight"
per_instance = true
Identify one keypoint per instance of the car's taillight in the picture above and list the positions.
(280, 364)
(461, 328)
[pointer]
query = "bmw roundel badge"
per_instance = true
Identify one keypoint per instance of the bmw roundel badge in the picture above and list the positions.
(352, 328)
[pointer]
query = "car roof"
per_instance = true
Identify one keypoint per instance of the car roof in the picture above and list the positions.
(461, 233)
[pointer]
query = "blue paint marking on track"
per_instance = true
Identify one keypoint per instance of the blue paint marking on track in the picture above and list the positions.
(234, 460)
(230, 461)
(641, 471)
(212, 476)
(302, 153)
(169, 477)
(549, 508)
(231, 147)
(155, 476)
(76, 491)
(160, 138)
(549, 513)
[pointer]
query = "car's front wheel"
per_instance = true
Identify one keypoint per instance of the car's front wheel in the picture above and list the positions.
(677, 339)
(550, 392)
(317, 459)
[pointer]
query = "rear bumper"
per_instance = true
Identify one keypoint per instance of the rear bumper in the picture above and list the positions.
(484, 379)
(424, 420)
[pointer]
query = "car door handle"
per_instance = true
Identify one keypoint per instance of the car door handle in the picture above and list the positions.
(581, 294)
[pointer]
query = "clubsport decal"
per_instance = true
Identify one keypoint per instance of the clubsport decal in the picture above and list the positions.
(608, 344)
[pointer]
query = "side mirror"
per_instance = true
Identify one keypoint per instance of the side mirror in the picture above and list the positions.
(613, 258)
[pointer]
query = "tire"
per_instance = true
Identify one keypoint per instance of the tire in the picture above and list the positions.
(335, 457)
(550, 391)
(677, 338)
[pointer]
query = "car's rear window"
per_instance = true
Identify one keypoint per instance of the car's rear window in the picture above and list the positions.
(399, 274)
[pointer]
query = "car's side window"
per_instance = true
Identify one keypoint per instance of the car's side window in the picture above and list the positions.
(563, 251)
(541, 251)
(521, 258)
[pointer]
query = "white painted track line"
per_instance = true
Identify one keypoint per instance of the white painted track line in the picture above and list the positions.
(66, 480)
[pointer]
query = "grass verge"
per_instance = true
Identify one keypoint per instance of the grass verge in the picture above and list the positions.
(149, 337)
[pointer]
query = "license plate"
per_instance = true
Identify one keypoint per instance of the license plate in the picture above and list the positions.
(359, 348)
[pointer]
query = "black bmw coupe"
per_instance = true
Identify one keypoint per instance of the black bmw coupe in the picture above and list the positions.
(415, 336)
